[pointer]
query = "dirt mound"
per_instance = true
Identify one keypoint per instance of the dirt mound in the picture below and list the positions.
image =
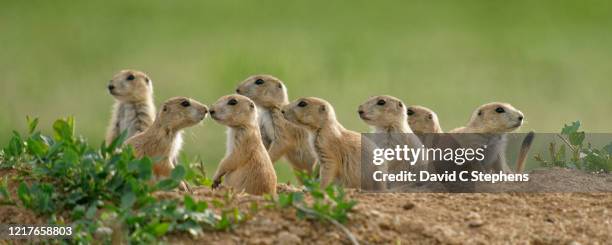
(433, 218)
(443, 218)
(418, 218)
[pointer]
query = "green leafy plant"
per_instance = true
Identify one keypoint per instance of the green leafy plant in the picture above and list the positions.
(582, 155)
(97, 188)
(195, 173)
(5, 197)
(328, 204)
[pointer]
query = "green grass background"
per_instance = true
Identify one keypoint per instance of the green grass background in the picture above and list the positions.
(551, 59)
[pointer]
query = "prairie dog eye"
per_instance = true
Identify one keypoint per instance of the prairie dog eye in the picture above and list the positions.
(302, 104)
(232, 102)
(130, 77)
(381, 102)
(500, 110)
(410, 112)
(259, 81)
(185, 103)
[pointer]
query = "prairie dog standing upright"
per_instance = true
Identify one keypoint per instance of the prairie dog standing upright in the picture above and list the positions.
(279, 136)
(488, 125)
(160, 140)
(423, 120)
(338, 149)
(246, 165)
(134, 110)
(387, 115)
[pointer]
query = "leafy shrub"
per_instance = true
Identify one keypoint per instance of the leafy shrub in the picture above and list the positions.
(106, 193)
(102, 189)
(583, 156)
(327, 204)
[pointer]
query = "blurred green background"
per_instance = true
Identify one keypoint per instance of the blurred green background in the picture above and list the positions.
(550, 59)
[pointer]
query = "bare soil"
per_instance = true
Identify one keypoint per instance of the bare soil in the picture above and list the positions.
(422, 218)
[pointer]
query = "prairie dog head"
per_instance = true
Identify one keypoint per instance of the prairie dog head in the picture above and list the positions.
(310, 112)
(234, 110)
(131, 85)
(383, 111)
(180, 112)
(264, 90)
(423, 120)
(496, 117)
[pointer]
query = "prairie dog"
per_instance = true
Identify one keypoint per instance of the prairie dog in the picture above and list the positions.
(387, 115)
(160, 140)
(494, 117)
(246, 165)
(423, 120)
(488, 126)
(338, 149)
(134, 109)
(279, 136)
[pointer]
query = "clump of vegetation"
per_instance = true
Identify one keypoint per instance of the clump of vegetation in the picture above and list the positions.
(582, 155)
(103, 191)
(106, 194)
(328, 205)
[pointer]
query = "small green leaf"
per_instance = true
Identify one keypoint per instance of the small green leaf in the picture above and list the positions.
(127, 200)
(70, 157)
(145, 169)
(37, 147)
(4, 193)
(201, 206)
(160, 229)
(24, 194)
(189, 203)
(572, 128)
(608, 148)
(117, 142)
(32, 124)
(91, 212)
(285, 200)
(167, 184)
(576, 138)
(178, 173)
(15, 147)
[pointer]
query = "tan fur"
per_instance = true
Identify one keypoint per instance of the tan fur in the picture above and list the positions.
(279, 136)
(387, 115)
(159, 141)
(489, 126)
(423, 120)
(338, 149)
(486, 120)
(134, 110)
(246, 165)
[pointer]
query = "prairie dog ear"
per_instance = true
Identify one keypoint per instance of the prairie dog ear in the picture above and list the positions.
(400, 104)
